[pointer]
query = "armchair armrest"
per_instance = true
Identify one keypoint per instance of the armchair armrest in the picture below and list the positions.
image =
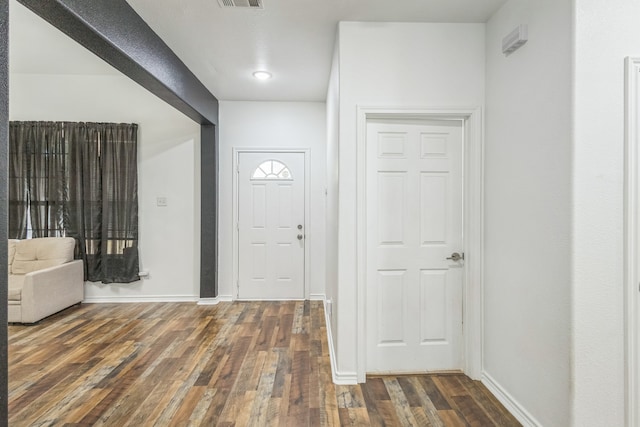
(52, 289)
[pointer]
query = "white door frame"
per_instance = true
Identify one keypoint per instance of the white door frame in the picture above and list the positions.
(632, 240)
(236, 211)
(472, 228)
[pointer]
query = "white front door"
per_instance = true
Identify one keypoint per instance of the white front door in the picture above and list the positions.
(414, 222)
(271, 219)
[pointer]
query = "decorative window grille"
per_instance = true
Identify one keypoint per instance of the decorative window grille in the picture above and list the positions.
(272, 170)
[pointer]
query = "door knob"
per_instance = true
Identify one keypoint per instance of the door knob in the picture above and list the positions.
(456, 256)
(300, 236)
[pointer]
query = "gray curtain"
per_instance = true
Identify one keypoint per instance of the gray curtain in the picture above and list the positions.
(102, 208)
(120, 202)
(79, 180)
(83, 212)
(19, 135)
(46, 179)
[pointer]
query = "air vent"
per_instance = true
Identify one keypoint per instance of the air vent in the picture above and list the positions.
(246, 4)
(514, 40)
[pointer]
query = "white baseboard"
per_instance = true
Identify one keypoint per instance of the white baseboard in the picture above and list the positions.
(512, 405)
(216, 300)
(341, 378)
(137, 299)
(229, 298)
(269, 299)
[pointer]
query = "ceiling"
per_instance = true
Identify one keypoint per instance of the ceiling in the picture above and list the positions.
(37, 47)
(293, 39)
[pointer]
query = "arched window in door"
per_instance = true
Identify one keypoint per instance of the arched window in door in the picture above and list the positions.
(272, 169)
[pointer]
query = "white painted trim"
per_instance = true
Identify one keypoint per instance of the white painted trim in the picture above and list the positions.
(632, 241)
(473, 225)
(509, 402)
(342, 378)
(268, 299)
(317, 297)
(216, 300)
(137, 299)
(307, 209)
(474, 244)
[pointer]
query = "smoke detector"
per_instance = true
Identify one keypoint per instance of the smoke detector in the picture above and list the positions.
(244, 4)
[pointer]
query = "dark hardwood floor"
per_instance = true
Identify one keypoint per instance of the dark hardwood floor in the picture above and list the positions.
(234, 364)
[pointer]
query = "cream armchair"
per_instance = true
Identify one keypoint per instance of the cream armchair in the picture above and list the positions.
(43, 278)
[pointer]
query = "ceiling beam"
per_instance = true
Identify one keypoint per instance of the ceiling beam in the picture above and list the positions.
(116, 33)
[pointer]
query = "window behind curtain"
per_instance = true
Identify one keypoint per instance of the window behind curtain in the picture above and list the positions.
(19, 159)
(79, 180)
(46, 179)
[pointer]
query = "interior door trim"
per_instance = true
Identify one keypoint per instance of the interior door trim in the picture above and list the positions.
(632, 240)
(236, 211)
(473, 188)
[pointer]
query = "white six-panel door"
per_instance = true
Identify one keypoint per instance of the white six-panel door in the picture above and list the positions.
(271, 235)
(414, 222)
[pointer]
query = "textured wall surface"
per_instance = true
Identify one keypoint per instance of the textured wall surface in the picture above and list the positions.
(527, 286)
(605, 34)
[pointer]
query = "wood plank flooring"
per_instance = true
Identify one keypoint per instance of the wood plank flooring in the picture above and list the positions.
(234, 364)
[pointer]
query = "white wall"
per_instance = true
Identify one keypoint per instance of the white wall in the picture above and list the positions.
(527, 307)
(393, 64)
(273, 125)
(168, 148)
(605, 33)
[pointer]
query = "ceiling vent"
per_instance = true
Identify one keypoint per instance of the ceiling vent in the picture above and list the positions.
(244, 4)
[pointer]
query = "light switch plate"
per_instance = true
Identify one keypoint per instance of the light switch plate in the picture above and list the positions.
(161, 201)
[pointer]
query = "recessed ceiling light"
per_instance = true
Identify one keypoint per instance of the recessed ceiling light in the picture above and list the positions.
(262, 75)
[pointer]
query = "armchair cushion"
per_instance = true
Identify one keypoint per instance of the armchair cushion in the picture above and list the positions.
(37, 254)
